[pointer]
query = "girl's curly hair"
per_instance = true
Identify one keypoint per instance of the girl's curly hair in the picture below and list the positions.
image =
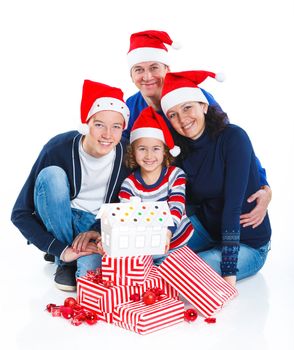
(131, 163)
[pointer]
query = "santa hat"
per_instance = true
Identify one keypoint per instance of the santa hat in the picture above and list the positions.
(98, 97)
(149, 46)
(183, 86)
(151, 124)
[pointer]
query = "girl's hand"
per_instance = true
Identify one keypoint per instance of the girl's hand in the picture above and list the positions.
(168, 238)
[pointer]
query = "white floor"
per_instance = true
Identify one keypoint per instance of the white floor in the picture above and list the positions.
(261, 317)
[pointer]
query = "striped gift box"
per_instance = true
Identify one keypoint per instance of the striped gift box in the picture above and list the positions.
(196, 281)
(100, 299)
(144, 319)
(97, 298)
(126, 270)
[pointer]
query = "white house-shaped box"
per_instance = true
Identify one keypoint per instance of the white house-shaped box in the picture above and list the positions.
(134, 228)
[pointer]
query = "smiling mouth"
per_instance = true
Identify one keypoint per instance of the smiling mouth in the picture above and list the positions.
(187, 126)
(105, 143)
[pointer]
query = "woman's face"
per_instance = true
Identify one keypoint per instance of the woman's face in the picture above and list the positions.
(188, 118)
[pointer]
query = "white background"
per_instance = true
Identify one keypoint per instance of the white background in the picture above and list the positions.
(49, 47)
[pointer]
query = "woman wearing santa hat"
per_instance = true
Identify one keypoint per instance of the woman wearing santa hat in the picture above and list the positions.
(73, 175)
(148, 61)
(221, 170)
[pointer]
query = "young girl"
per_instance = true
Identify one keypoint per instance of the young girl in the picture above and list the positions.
(154, 178)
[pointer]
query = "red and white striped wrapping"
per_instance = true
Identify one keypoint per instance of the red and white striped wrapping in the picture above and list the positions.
(155, 280)
(144, 319)
(126, 270)
(96, 297)
(99, 299)
(196, 281)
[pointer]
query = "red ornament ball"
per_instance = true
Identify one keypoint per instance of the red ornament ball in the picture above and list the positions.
(49, 307)
(91, 318)
(67, 312)
(190, 315)
(149, 298)
(70, 302)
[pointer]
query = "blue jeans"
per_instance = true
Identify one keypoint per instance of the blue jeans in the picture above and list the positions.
(250, 260)
(52, 204)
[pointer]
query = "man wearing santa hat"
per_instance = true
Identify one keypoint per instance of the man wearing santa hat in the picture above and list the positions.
(148, 62)
(73, 175)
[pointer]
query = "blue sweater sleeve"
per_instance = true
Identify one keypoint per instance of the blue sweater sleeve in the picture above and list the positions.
(238, 155)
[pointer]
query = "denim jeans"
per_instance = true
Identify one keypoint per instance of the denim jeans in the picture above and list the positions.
(52, 204)
(250, 260)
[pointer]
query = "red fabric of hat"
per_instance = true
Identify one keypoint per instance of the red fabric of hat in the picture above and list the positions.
(98, 97)
(182, 87)
(149, 45)
(151, 124)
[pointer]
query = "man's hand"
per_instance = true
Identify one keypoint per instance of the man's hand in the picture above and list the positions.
(256, 216)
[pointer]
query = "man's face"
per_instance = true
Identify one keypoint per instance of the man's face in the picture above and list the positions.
(149, 77)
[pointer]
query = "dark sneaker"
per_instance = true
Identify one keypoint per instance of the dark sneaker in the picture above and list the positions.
(65, 278)
(49, 257)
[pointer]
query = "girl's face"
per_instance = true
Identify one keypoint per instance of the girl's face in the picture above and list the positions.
(105, 131)
(149, 154)
(188, 118)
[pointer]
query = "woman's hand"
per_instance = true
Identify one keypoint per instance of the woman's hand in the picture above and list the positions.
(256, 216)
(231, 280)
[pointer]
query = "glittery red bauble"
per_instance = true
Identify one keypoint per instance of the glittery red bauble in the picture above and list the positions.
(70, 302)
(135, 297)
(49, 307)
(210, 320)
(149, 298)
(108, 284)
(76, 321)
(91, 318)
(66, 311)
(190, 315)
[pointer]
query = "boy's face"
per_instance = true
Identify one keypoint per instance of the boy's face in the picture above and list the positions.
(105, 131)
(149, 77)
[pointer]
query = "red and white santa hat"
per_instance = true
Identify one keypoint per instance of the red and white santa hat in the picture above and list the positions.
(98, 97)
(151, 124)
(183, 86)
(149, 46)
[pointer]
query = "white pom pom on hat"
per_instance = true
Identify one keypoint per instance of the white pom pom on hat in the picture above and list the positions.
(176, 45)
(220, 77)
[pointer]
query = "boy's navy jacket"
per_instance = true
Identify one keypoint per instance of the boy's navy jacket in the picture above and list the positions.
(62, 151)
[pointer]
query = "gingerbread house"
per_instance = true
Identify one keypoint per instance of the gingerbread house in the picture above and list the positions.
(134, 228)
